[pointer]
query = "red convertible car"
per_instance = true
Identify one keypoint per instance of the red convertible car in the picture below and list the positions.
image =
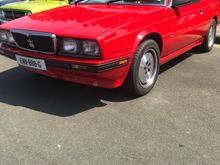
(110, 43)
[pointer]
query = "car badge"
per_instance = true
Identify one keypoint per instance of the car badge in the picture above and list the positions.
(30, 42)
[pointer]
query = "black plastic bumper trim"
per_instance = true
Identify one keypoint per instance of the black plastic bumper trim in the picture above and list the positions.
(82, 67)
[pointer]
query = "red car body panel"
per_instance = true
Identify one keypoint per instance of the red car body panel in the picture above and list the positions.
(118, 29)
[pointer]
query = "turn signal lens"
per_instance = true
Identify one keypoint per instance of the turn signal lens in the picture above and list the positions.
(122, 62)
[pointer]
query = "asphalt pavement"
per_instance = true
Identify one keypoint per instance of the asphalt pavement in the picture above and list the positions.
(47, 121)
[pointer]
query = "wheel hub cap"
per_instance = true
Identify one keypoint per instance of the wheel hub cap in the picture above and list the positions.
(211, 37)
(148, 68)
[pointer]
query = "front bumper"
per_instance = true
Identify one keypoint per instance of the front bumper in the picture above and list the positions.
(100, 73)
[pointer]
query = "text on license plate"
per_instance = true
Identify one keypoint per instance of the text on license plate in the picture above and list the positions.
(31, 62)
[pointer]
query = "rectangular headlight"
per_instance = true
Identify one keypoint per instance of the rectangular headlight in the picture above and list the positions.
(70, 45)
(3, 35)
(2, 14)
(7, 37)
(79, 48)
(10, 38)
(90, 48)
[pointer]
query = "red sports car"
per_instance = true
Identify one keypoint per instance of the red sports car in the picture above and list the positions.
(110, 43)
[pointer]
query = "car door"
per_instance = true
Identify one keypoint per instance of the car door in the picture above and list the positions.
(182, 22)
(207, 12)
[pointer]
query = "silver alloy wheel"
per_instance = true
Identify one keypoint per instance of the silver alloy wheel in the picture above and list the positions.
(148, 68)
(211, 36)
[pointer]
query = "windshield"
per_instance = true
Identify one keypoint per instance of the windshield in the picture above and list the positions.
(141, 2)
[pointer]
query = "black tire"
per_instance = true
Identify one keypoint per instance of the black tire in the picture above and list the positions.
(206, 47)
(133, 82)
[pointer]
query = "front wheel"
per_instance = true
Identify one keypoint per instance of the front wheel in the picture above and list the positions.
(144, 68)
(209, 39)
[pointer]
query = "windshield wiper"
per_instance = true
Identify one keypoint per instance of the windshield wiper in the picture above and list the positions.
(76, 1)
(112, 1)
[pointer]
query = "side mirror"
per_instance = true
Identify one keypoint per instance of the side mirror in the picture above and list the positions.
(178, 3)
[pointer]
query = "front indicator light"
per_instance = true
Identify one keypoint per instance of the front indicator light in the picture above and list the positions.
(123, 62)
(80, 67)
(90, 48)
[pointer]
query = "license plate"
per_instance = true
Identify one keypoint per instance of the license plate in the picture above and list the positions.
(31, 62)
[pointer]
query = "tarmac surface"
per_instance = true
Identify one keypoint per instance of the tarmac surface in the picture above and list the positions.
(47, 121)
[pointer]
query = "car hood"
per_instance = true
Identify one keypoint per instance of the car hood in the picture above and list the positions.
(35, 6)
(83, 21)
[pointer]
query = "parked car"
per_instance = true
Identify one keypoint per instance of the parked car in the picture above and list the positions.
(109, 44)
(3, 2)
(13, 11)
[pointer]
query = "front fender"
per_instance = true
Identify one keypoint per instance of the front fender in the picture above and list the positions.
(141, 37)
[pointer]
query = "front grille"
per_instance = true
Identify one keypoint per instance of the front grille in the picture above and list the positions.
(13, 14)
(35, 41)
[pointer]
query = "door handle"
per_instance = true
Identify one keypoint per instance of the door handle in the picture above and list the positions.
(201, 12)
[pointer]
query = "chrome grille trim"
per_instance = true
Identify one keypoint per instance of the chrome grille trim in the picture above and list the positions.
(29, 33)
(11, 14)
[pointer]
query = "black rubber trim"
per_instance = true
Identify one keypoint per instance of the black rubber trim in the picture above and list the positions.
(64, 65)
(90, 68)
(8, 54)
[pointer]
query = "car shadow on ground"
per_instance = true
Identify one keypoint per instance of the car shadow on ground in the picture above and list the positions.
(217, 41)
(19, 87)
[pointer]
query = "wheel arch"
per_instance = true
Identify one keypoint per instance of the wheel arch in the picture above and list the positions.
(215, 18)
(143, 36)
